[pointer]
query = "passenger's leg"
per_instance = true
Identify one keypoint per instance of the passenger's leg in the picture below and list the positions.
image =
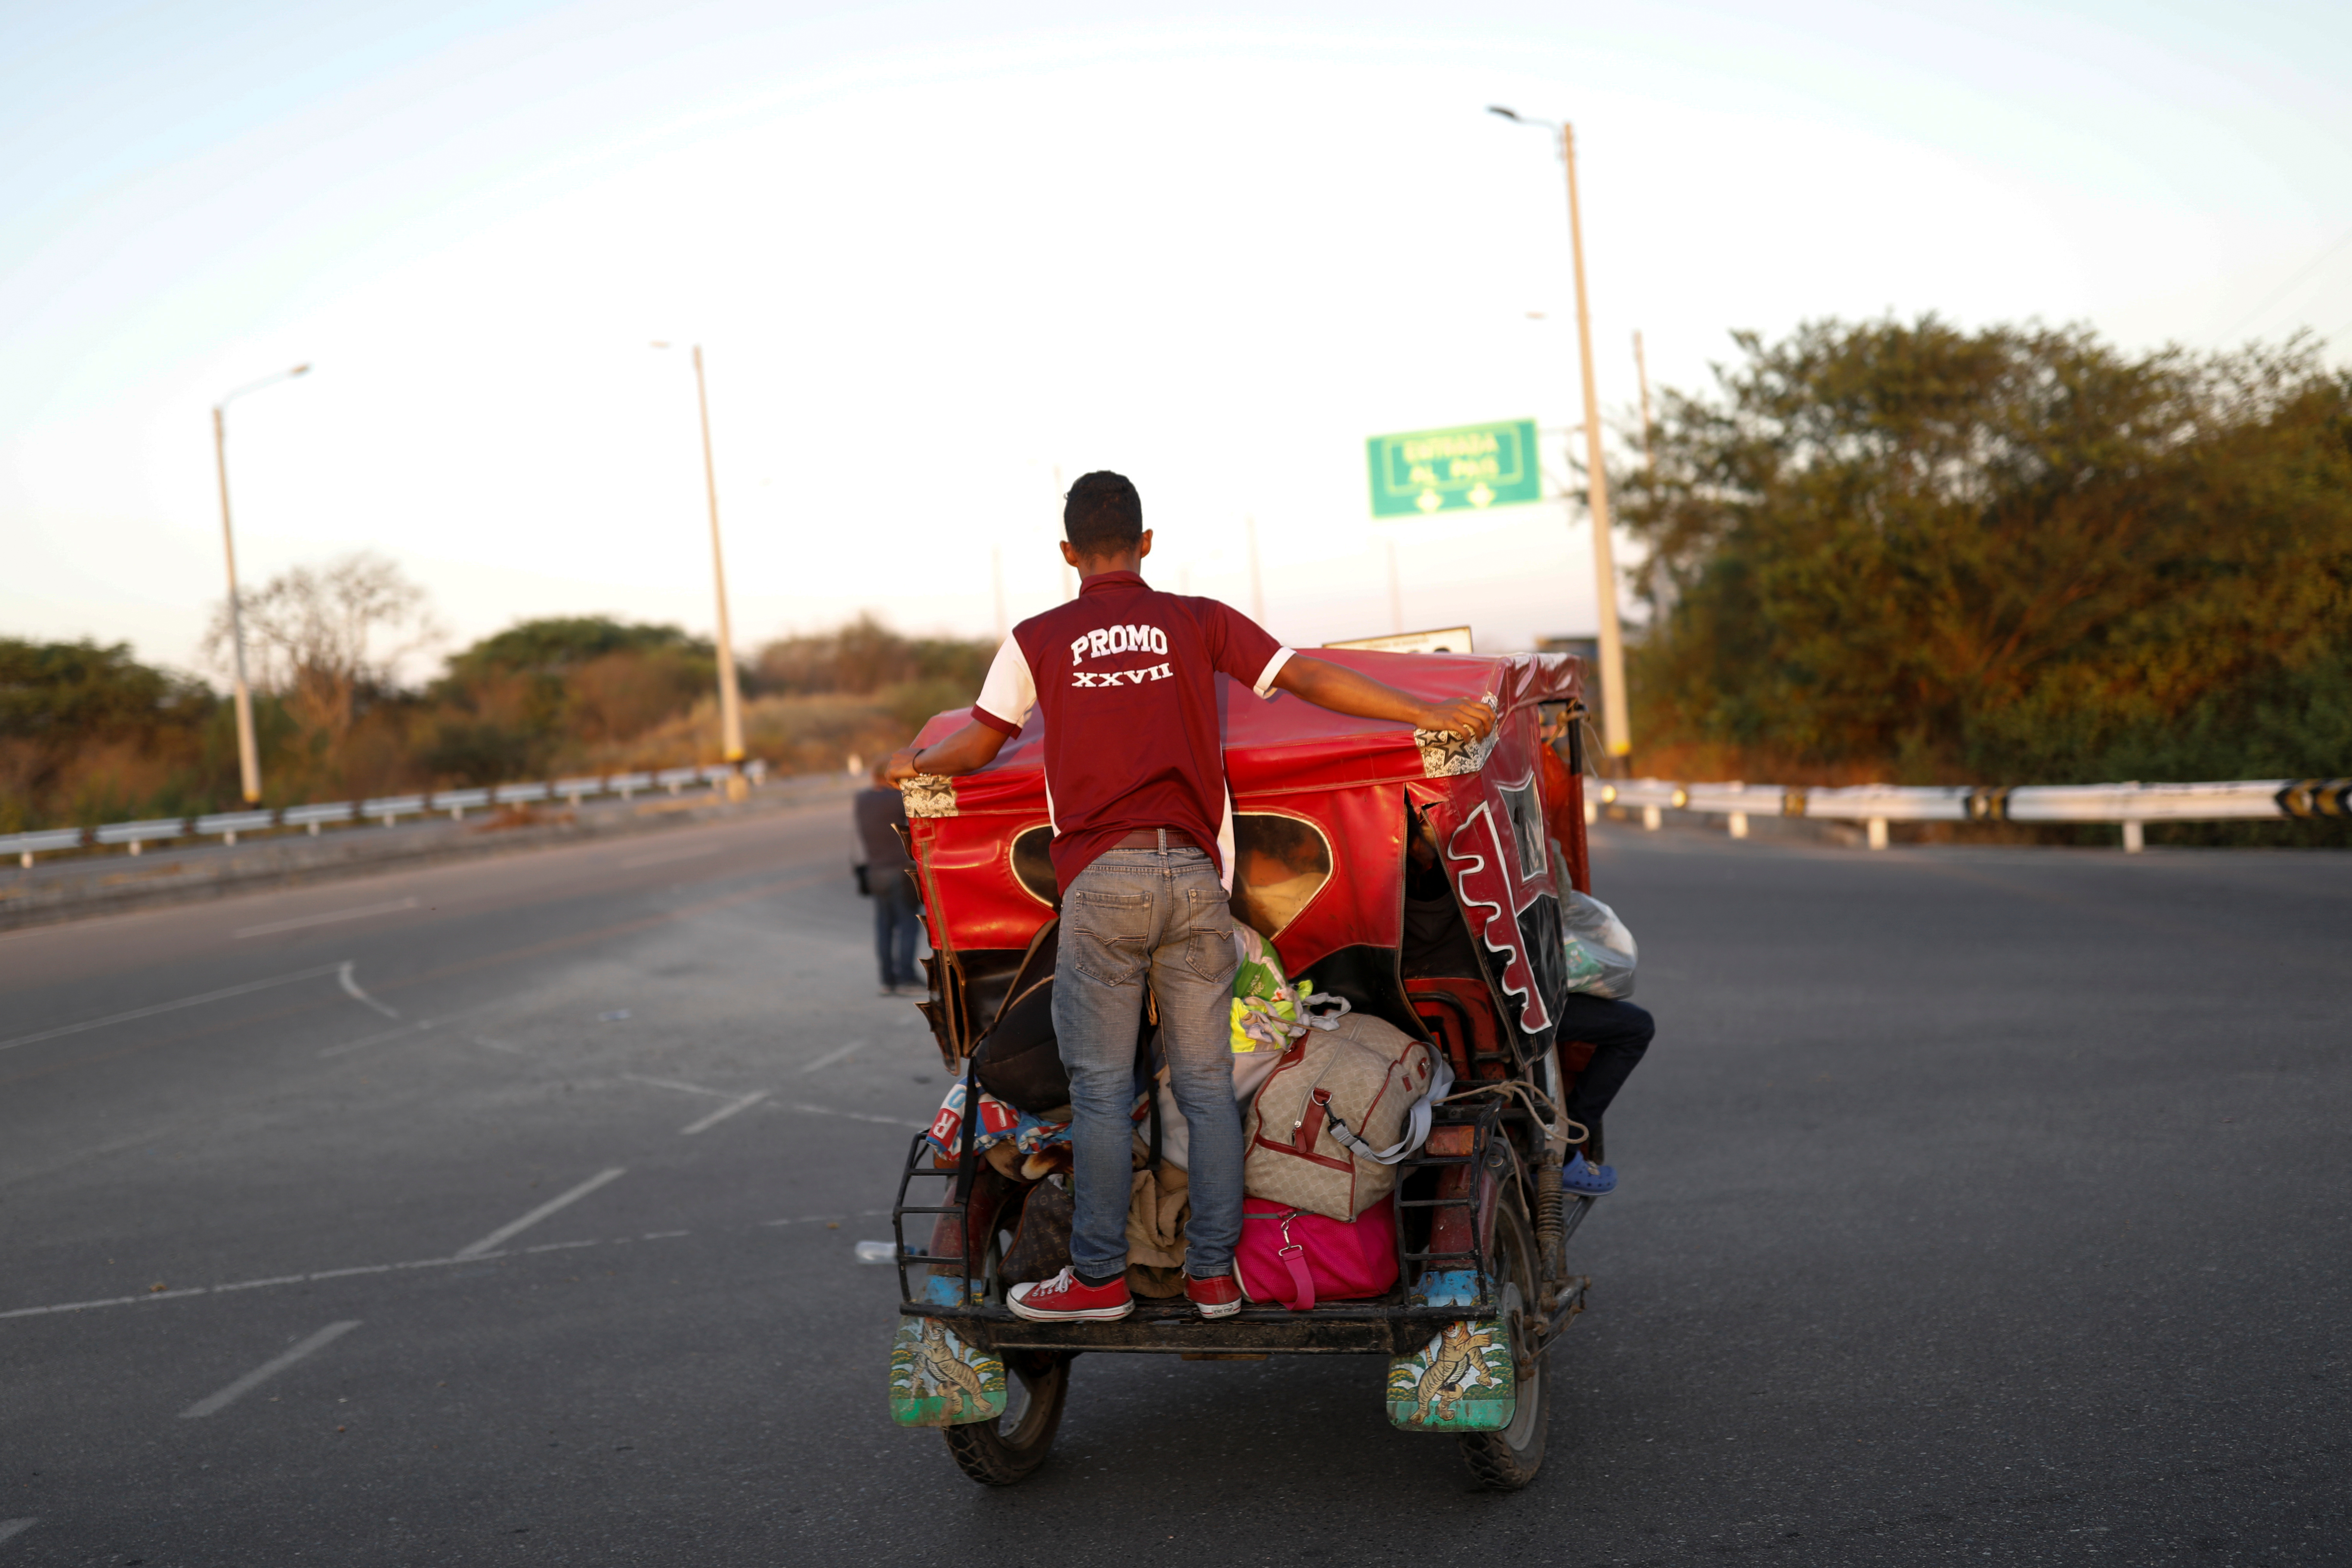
(1193, 980)
(1108, 927)
(1620, 1034)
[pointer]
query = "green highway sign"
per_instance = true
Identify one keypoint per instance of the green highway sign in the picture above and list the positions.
(1466, 469)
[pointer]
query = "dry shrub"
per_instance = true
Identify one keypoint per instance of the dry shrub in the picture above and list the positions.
(794, 734)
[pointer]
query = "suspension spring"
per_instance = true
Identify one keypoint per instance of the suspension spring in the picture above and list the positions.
(1551, 1207)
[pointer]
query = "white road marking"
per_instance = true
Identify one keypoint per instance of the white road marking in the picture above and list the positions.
(840, 1053)
(301, 921)
(352, 989)
(225, 991)
(673, 1083)
(248, 1285)
(540, 1213)
(10, 1528)
(269, 1369)
(724, 1112)
(642, 861)
(276, 1279)
(807, 1109)
(418, 1027)
(348, 1046)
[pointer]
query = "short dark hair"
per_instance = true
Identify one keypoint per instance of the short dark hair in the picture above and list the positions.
(1102, 515)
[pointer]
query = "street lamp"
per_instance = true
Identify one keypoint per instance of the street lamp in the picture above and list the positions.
(730, 702)
(1616, 719)
(248, 755)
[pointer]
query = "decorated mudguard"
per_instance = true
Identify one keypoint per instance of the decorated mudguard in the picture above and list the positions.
(1463, 1380)
(936, 1379)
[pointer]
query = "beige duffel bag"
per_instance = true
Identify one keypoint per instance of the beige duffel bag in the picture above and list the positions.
(1349, 1099)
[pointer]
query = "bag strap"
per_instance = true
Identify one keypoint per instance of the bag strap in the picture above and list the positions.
(967, 1155)
(1320, 1010)
(1417, 1118)
(1024, 978)
(1294, 1257)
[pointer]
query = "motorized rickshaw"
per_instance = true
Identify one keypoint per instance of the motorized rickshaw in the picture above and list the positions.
(1322, 805)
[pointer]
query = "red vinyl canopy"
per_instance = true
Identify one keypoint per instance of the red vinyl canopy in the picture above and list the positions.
(981, 836)
(1286, 744)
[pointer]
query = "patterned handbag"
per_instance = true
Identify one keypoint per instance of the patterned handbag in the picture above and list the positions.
(1349, 1099)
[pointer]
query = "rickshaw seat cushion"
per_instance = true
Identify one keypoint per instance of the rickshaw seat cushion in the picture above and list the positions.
(1298, 1257)
(1459, 1015)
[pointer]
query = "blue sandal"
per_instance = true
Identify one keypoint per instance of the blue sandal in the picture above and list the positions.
(1578, 1180)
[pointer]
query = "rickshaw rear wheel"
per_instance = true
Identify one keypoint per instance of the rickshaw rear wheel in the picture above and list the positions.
(1008, 1450)
(1506, 1460)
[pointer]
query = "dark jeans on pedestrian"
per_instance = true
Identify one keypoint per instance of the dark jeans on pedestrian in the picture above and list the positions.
(1619, 1033)
(897, 916)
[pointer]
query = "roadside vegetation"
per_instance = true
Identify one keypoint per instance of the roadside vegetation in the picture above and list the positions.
(88, 734)
(1909, 554)
(1877, 551)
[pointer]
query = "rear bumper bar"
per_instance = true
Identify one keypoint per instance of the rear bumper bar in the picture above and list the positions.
(1173, 1328)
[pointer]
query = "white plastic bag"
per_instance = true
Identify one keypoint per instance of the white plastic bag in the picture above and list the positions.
(1600, 950)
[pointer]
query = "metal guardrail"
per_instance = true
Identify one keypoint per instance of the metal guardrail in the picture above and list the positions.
(136, 834)
(229, 824)
(387, 809)
(2129, 804)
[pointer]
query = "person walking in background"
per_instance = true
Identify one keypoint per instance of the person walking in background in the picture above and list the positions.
(881, 814)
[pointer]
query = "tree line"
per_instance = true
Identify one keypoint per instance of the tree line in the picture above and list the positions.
(90, 735)
(1893, 550)
(1912, 553)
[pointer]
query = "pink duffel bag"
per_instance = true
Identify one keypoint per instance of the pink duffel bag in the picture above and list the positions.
(1298, 1257)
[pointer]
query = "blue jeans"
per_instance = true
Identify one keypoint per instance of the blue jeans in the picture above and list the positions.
(1133, 915)
(897, 916)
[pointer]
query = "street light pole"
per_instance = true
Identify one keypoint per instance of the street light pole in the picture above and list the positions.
(731, 701)
(1616, 719)
(249, 754)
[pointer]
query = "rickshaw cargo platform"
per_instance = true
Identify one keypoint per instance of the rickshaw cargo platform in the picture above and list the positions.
(1326, 812)
(1390, 1326)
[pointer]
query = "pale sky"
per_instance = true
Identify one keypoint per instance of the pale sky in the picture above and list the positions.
(932, 252)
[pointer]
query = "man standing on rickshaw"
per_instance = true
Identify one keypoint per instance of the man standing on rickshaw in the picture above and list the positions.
(1134, 760)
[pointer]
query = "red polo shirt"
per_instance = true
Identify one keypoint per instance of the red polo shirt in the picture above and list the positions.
(1127, 677)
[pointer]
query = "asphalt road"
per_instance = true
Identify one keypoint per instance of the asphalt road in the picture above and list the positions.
(1978, 1205)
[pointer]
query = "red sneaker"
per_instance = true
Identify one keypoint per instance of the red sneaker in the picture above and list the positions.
(1217, 1298)
(1066, 1297)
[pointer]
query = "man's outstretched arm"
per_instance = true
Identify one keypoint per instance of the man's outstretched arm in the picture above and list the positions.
(968, 750)
(1343, 690)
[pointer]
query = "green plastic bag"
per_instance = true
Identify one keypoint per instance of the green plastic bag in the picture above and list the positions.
(1266, 1005)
